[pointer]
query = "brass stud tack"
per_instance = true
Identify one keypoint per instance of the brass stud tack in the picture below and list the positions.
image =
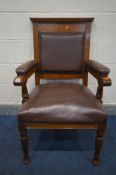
(67, 27)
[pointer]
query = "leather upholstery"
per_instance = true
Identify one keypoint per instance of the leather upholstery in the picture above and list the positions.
(26, 67)
(61, 51)
(98, 68)
(62, 103)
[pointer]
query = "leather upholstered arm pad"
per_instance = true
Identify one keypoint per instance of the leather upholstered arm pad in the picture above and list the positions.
(26, 67)
(24, 72)
(97, 69)
(100, 72)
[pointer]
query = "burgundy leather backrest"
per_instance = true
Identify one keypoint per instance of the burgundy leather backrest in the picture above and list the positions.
(61, 52)
(61, 46)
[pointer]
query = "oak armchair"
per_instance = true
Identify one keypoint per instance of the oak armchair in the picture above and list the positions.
(61, 51)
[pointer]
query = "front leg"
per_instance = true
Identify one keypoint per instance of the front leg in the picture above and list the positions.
(98, 144)
(24, 141)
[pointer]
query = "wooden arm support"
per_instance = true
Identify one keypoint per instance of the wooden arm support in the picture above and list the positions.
(22, 81)
(102, 81)
(100, 72)
(23, 73)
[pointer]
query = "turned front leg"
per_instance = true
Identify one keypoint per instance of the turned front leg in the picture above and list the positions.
(24, 141)
(98, 144)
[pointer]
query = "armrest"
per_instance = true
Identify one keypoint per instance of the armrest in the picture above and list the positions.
(25, 71)
(97, 69)
(100, 72)
(26, 67)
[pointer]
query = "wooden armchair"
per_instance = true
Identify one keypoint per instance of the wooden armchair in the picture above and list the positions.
(61, 51)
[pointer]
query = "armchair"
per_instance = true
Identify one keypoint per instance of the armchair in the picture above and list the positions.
(61, 51)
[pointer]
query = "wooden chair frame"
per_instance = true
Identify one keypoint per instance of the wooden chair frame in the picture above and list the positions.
(61, 25)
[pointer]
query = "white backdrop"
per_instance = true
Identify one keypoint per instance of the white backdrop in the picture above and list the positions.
(16, 44)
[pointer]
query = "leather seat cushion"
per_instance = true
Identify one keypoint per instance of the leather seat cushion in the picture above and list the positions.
(62, 103)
